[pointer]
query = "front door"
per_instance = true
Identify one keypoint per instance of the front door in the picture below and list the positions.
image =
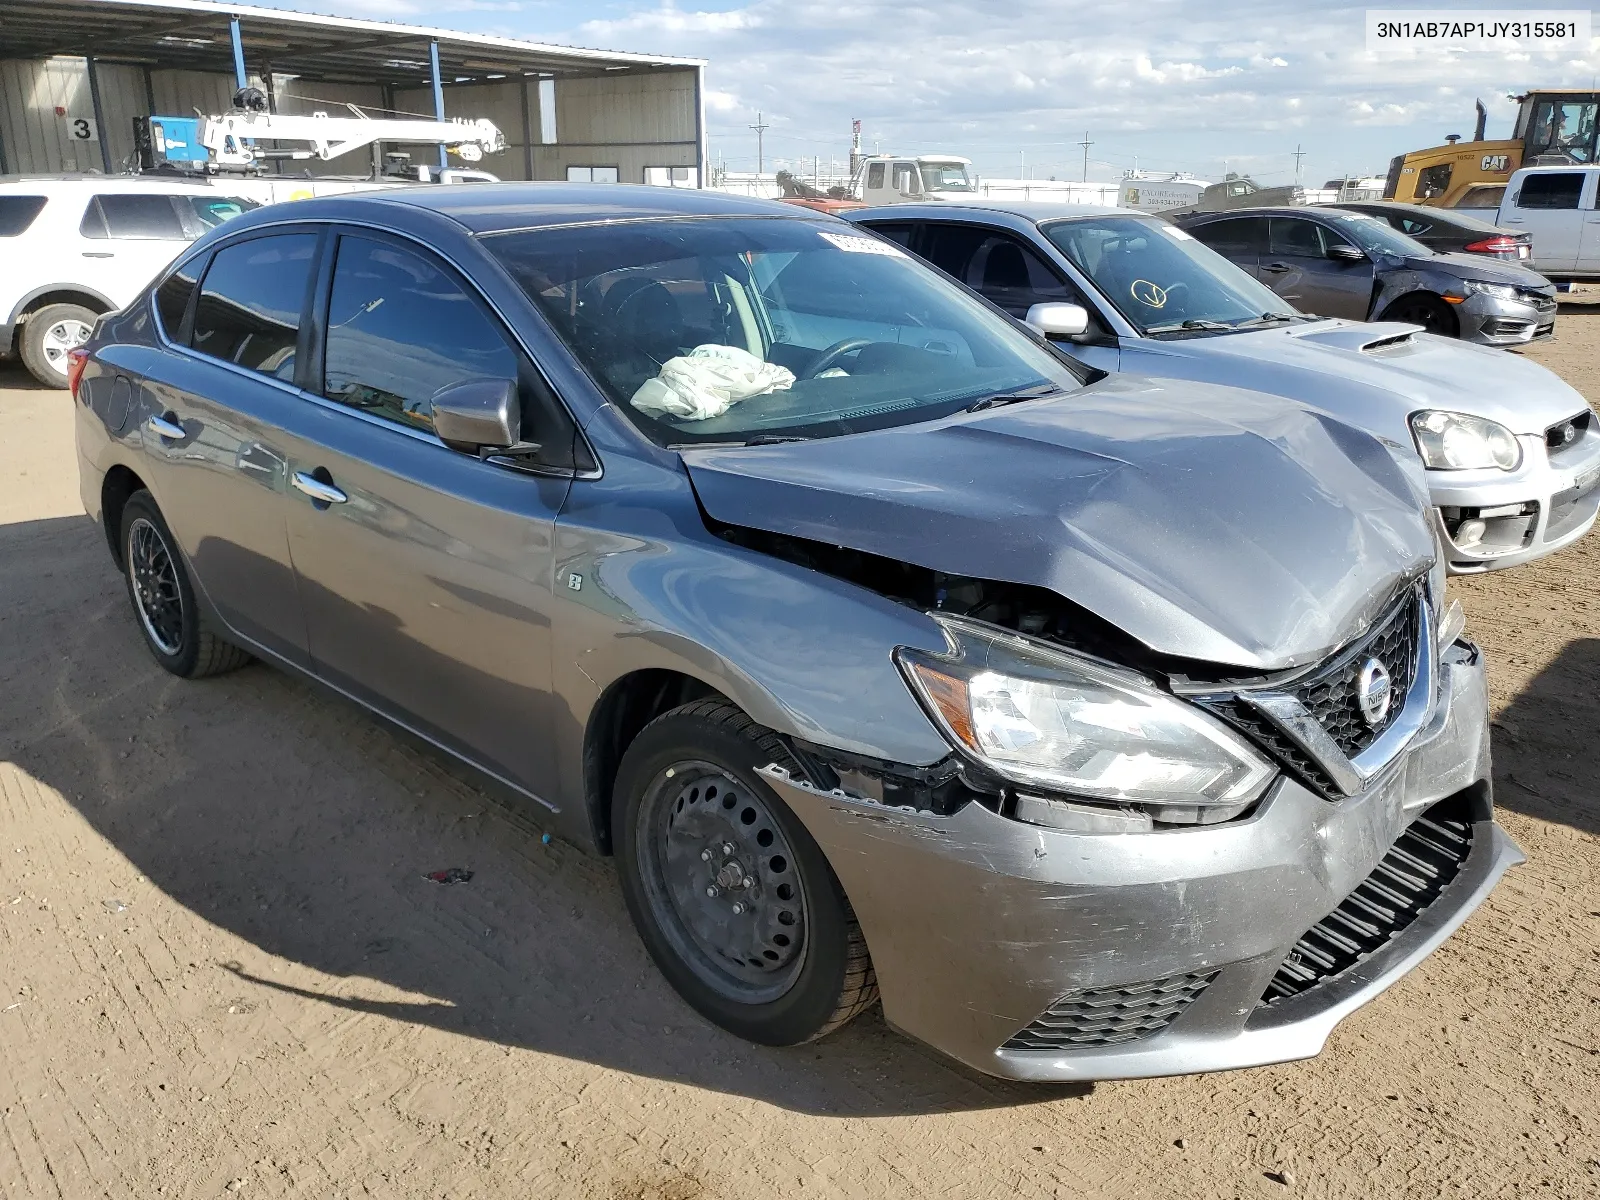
(425, 573)
(210, 424)
(1297, 266)
(1549, 205)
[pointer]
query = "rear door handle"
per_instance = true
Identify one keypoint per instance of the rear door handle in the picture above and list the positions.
(317, 489)
(99, 254)
(1277, 268)
(166, 426)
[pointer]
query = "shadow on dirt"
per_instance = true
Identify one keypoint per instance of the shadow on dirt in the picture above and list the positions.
(1544, 742)
(299, 824)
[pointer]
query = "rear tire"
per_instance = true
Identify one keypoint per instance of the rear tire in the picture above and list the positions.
(1427, 310)
(48, 334)
(760, 938)
(177, 634)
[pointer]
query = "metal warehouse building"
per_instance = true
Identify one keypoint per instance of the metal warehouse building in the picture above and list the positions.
(75, 73)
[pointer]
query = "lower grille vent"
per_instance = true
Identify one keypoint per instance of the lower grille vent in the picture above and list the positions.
(1418, 867)
(1107, 1016)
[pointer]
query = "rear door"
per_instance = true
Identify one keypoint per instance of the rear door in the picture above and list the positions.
(212, 414)
(1550, 206)
(425, 574)
(1297, 267)
(124, 239)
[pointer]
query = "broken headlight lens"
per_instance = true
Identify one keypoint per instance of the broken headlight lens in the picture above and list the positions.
(1452, 441)
(1050, 719)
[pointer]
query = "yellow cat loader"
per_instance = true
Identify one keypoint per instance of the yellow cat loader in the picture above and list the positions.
(1554, 126)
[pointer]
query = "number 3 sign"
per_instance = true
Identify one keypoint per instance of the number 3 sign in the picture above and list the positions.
(81, 129)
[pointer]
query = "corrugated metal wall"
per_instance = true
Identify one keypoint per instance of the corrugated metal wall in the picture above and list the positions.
(622, 120)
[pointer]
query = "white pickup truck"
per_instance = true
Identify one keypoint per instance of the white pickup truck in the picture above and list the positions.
(1557, 205)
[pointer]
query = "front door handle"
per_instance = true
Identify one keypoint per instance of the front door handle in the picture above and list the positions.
(319, 490)
(1277, 268)
(166, 426)
(99, 254)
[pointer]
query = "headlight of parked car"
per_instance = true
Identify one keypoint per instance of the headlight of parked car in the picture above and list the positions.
(1451, 441)
(1500, 291)
(1062, 722)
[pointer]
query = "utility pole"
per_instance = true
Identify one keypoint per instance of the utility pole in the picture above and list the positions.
(1086, 143)
(761, 128)
(1298, 155)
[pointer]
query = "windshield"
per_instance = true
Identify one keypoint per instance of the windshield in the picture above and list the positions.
(214, 210)
(1160, 277)
(945, 177)
(730, 330)
(1379, 237)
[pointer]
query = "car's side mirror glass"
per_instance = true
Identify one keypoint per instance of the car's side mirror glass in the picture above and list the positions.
(1346, 254)
(478, 415)
(1059, 320)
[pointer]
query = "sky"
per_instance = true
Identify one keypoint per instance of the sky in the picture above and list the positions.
(1164, 85)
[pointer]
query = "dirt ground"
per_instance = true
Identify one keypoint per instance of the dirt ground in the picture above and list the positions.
(221, 972)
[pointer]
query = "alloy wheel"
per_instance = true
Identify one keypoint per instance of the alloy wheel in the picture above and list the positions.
(153, 572)
(723, 882)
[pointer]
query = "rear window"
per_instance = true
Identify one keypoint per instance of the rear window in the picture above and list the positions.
(145, 216)
(18, 212)
(1559, 190)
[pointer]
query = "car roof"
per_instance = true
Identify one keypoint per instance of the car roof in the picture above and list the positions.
(1267, 210)
(496, 207)
(1029, 210)
(109, 183)
(1443, 216)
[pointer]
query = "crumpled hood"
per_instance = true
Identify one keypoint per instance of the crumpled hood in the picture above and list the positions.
(1207, 522)
(1479, 266)
(1423, 370)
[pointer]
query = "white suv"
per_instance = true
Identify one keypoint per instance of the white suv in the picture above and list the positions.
(78, 246)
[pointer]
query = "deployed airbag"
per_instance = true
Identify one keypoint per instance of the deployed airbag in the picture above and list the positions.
(708, 381)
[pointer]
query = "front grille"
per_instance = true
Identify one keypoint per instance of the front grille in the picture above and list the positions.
(1330, 696)
(1417, 869)
(1109, 1016)
(1543, 304)
(1564, 435)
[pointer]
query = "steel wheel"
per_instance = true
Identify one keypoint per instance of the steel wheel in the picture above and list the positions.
(60, 337)
(720, 877)
(156, 594)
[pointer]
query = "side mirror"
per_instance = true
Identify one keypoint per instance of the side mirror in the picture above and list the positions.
(1059, 320)
(1346, 254)
(478, 414)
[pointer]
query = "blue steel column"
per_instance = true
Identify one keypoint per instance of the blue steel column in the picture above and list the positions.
(239, 78)
(438, 97)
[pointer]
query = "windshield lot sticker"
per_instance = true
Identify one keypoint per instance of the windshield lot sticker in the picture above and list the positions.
(1152, 295)
(864, 245)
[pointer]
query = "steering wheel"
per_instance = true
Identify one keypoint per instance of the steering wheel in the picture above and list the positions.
(826, 358)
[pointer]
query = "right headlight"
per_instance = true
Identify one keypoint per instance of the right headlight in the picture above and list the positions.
(1452, 441)
(1064, 723)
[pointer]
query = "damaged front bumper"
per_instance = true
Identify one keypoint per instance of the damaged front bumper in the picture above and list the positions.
(1040, 954)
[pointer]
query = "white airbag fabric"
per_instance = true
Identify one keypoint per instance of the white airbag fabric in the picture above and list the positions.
(708, 381)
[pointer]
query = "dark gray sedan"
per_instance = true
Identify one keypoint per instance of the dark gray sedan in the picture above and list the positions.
(1345, 264)
(1445, 231)
(1106, 726)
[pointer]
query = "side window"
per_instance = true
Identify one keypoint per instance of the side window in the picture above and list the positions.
(399, 329)
(1233, 237)
(250, 303)
(1433, 181)
(1558, 189)
(904, 179)
(17, 213)
(172, 297)
(875, 175)
(145, 216)
(1294, 237)
(1013, 276)
(899, 232)
(1413, 226)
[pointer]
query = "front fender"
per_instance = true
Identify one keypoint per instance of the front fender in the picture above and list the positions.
(641, 583)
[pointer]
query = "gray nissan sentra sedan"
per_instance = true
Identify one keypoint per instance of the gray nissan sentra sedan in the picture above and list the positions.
(1107, 727)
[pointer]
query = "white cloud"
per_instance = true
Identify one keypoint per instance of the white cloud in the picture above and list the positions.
(669, 19)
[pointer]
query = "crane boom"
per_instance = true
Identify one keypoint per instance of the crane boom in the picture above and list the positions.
(229, 138)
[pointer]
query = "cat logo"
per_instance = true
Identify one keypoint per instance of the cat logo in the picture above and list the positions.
(1496, 163)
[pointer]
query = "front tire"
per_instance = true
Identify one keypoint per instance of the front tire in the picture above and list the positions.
(1427, 310)
(164, 608)
(731, 895)
(47, 337)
